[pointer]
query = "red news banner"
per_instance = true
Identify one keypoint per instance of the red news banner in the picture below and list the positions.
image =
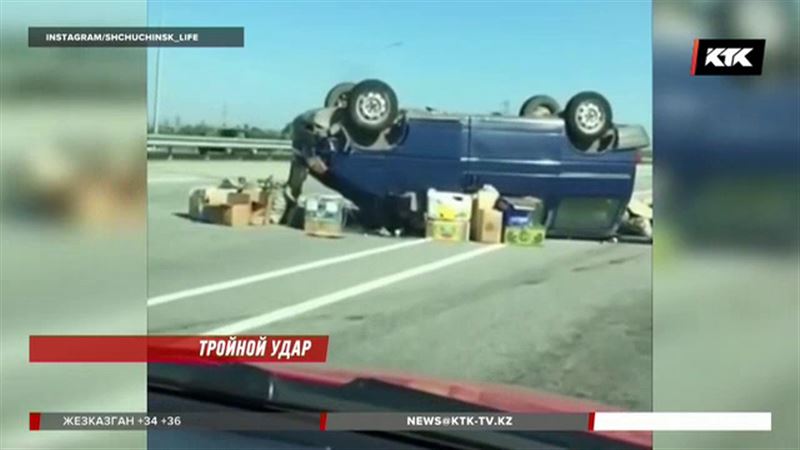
(177, 349)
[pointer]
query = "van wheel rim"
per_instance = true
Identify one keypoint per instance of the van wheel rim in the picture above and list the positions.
(541, 111)
(589, 117)
(372, 107)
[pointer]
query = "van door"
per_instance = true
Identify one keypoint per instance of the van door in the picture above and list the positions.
(519, 157)
(429, 156)
(595, 188)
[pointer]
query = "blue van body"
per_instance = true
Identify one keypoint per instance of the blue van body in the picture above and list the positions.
(584, 193)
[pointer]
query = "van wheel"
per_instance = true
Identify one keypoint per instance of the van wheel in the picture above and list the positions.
(539, 106)
(587, 117)
(372, 106)
(337, 96)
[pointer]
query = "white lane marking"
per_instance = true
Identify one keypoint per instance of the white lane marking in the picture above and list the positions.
(202, 290)
(344, 294)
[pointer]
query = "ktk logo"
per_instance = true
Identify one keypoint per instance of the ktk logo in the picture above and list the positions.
(728, 56)
(733, 56)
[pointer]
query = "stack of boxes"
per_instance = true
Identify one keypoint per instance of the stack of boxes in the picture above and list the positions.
(231, 206)
(233, 211)
(485, 217)
(523, 221)
(448, 216)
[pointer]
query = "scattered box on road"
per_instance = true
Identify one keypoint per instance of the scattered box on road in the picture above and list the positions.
(528, 236)
(487, 222)
(217, 196)
(485, 198)
(522, 210)
(324, 215)
(447, 230)
(449, 205)
(230, 205)
(254, 194)
(523, 221)
(259, 214)
(487, 226)
(261, 202)
(320, 228)
(235, 215)
(238, 198)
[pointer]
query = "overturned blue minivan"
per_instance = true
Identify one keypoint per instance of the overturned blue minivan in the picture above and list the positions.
(384, 159)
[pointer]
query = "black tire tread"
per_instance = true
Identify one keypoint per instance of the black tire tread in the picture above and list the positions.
(528, 106)
(336, 92)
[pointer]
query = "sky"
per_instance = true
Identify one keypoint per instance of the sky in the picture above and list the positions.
(456, 56)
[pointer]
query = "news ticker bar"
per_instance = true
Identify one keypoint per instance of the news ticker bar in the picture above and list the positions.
(135, 37)
(252, 421)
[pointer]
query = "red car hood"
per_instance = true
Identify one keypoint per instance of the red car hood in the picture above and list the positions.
(492, 396)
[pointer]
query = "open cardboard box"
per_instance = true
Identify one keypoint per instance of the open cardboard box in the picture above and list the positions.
(229, 206)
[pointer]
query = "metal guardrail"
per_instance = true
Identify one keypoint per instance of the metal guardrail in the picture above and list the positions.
(168, 145)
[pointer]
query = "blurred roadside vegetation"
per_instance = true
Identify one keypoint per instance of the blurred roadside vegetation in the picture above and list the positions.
(203, 129)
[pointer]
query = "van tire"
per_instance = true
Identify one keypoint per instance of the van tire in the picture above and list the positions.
(372, 106)
(337, 96)
(539, 106)
(587, 117)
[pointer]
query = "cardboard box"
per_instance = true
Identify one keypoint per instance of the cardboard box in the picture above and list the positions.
(522, 212)
(217, 196)
(486, 198)
(523, 221)
(261, 202)
(254, 203)
(259, 214)
(527, 236)
(237, 215)
(447, 230)
(238, 198)
(487, 226)
(487, 223)
(449, 205)
(254, 194)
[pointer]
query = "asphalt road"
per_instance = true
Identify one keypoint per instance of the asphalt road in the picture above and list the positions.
(572, 317)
